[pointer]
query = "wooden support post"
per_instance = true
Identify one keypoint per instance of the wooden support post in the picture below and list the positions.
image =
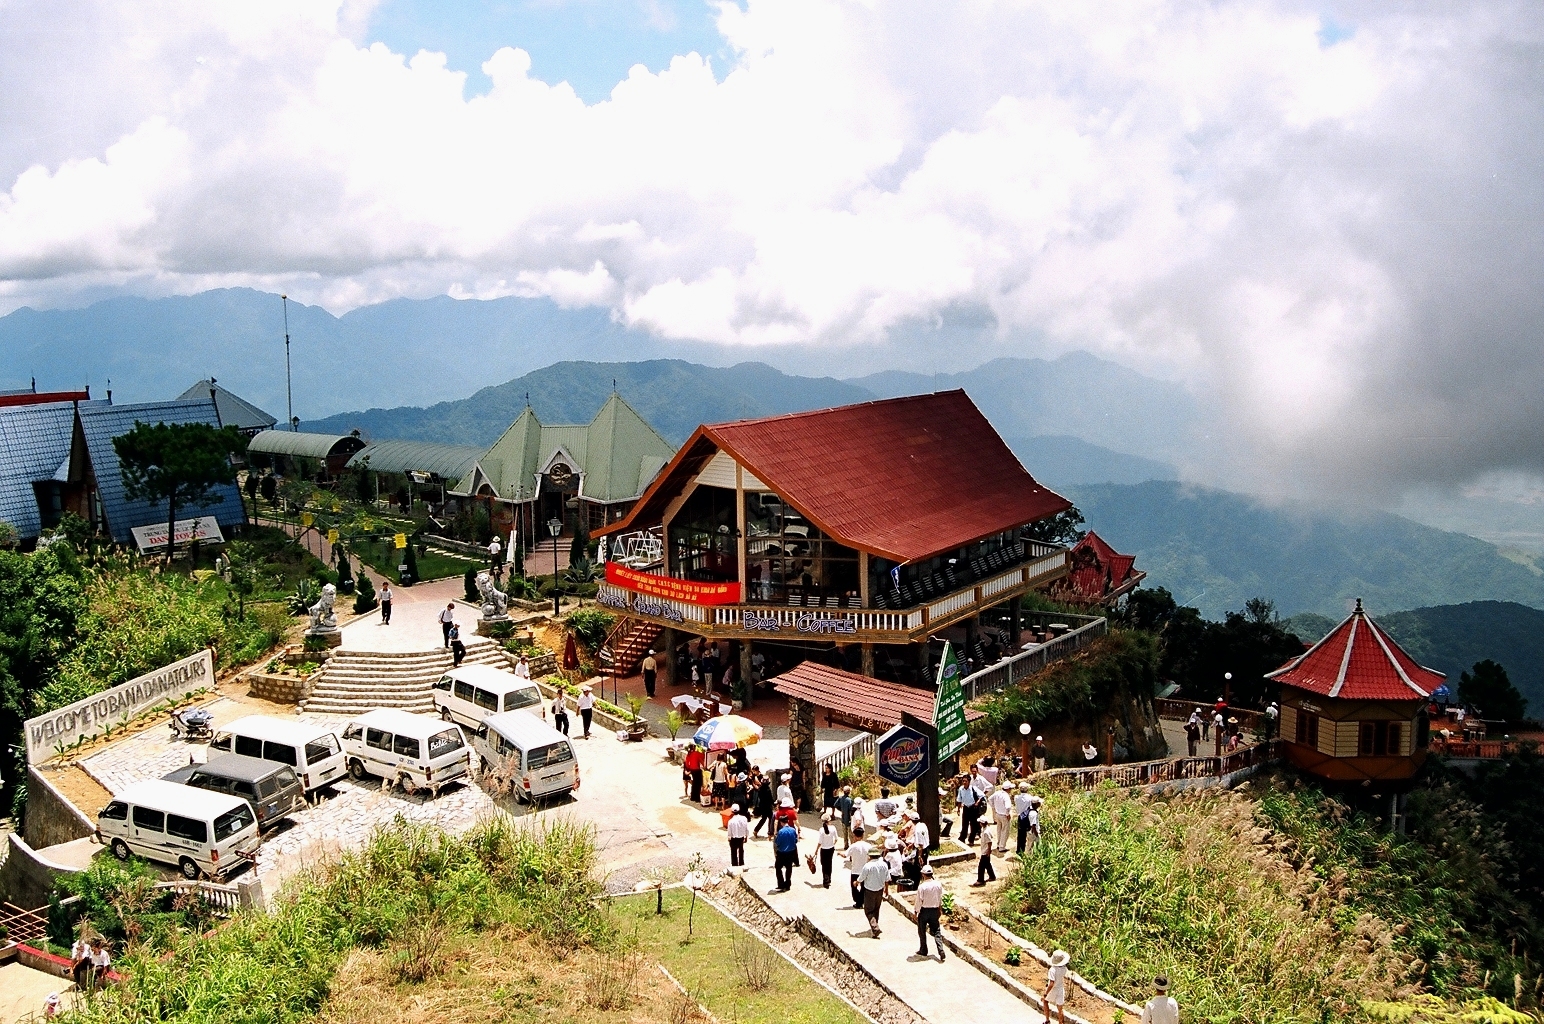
(668, 638)
(801, 742)
(1016, 614)
(863, 580)
(867, 655)
(747, 684)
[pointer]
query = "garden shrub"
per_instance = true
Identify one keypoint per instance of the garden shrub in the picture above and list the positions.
(364, 596)
(591, 626)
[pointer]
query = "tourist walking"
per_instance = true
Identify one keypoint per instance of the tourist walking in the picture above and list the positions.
(764, 804)
(560, 714)
(1161, 1009)
(650, 673)
(1219, 725)
(1206, 723)
(1028, 817)
(830, 785)
(586, 707)
(385, 602)
(1002, 813)
(739, 830)
(844, 808)
(448, 619)
(825, 842)
(797, 783)
(857, 859)
(785, 852)
(929, 905)
(1192, 735)
(875, 878)
(1038, 752)
(1055, 994)
(691, 773)
(457, 648)
(984, 869)
(969, 803)
(495, 555)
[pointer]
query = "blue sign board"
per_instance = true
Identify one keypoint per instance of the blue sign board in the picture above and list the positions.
(903, 755)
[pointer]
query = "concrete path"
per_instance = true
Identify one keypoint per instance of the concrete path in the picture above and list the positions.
(415, 624)
(23, 990)
(941, 992)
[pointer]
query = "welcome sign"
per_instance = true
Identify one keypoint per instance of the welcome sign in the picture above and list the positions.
(86, 718)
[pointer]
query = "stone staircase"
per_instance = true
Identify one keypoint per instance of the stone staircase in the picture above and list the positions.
(354, 682)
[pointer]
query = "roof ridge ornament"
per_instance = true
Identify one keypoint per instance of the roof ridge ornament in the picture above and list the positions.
(1359, 608)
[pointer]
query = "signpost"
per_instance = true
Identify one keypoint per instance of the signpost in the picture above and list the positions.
(927, 777)
(903, 755)
(949, 707)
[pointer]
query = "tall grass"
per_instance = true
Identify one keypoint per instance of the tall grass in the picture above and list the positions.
(277, 968)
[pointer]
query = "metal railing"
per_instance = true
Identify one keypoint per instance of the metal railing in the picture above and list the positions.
(1146, 773)
(1026, 663)
(861, 745)
(815, 620)
(1476, 749)
(1181, 710)
(23, 925)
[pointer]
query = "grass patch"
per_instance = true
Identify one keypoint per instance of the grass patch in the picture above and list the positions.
(383, 557)
(720, 968)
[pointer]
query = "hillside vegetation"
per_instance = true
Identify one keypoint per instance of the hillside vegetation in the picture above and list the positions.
(1276, 903)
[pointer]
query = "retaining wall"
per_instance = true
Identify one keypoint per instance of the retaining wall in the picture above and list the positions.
(26, 876)
(50, 818)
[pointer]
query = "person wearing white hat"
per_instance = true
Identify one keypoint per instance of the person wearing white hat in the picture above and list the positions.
(1001, 803)
(739, 827)
(586, 707)
(1038, 752)
(894, 860)
(825, 842)
(984, 868)
(51, 1006)
(857, 860)
(1161, 1009)
(1028, 818)
(1055, 994)
(929, 905)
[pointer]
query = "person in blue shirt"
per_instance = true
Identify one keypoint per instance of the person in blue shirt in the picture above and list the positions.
(785, 847)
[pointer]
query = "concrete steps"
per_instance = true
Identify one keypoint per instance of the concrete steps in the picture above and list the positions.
(354, 682)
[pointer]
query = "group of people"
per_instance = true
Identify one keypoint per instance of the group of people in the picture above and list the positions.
(1201, 726)
(90, 960)
(991, 807)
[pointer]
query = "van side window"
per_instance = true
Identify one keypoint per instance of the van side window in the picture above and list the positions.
(248, 746)
(115, 811)
(380, 739)
(212, 782)
(443, 683)
(407, 746)
(285, 777)
(221, 742)
(354, 731)
(281, 752)
(321, 748)
(444, 742)
(551, 754)
(522, 698)
(463, 690)
(145, 818)
(246, 789)
(232, 822)
(187, 828)
(484, 699)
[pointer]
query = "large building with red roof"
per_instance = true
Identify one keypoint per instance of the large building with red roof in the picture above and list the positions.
(1352, 705)
(871, 526)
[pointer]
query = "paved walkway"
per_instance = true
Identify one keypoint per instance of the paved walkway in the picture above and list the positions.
(941, 992)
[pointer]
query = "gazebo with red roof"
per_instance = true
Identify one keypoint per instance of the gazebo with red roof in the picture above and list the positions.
(1352, 705)
(1099, 575)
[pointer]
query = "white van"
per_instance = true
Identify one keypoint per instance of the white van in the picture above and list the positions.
(541, 760)
(203, 833)
(471, 693)
(312, 750)
(414, 751)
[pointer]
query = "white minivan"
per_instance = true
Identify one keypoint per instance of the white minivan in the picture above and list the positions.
(312, 750)
(471, 693)
(203, 833)
(539, 759)
(414, 751)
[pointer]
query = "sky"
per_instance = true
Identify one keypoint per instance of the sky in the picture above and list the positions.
(1324, 217)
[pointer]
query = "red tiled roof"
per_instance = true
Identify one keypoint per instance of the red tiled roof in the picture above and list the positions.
(1098, 571)
(855, 696)
(905, 478)
(1358, 661)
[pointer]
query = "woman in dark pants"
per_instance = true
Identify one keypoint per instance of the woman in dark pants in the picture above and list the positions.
(830, 785)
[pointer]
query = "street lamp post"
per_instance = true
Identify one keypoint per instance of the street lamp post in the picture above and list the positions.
(1024, 730)
(555, 527)
(1227, 688)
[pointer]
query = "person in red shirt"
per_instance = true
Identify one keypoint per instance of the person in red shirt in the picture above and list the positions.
(691, 773)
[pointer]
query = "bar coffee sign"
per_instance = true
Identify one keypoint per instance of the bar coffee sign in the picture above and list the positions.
(87, 718)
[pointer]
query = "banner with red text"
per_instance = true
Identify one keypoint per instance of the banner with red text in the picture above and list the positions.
(688, 591)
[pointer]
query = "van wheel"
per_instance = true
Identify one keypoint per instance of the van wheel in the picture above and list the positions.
(445, 714)
(356, 770)
(190, 870)
(120, 849)
(405, 783)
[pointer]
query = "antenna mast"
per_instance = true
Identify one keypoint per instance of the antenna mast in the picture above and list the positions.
(289, 394)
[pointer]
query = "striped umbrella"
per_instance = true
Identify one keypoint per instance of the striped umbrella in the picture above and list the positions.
(726, 732)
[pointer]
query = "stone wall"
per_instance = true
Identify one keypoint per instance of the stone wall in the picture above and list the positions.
(281, 689)
(27, 877)
(801, 742)
(49, 817)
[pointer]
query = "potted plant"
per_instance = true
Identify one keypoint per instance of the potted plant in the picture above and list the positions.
(673, 722)
(639, 728)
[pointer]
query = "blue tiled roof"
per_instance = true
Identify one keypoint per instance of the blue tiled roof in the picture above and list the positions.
(34, 441)
(103, 423)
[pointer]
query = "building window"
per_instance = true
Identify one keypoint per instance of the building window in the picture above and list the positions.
(1307, 728)
(1379, 739)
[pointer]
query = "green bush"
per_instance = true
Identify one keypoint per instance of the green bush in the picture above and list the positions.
(1120, 665)
(364, 596)
(469, 585)
(591, 626)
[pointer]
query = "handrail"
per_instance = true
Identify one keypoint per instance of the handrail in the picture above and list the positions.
(861, 745)
(1026, 663)
(222, 899)
(1146, 773)
(1176, 710)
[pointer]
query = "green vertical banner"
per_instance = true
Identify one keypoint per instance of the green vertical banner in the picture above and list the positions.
(949, 707)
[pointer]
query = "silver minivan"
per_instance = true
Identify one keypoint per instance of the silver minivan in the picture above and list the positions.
(312, 750)
(202, 833)
(471, 693)
(539, 760)
(414, 751)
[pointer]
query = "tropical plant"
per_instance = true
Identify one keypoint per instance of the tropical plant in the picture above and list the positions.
(635, 705)
(674, 720)
(581, 570)
(591, 626)
(305, 595)
(178, 463)
(521, 588)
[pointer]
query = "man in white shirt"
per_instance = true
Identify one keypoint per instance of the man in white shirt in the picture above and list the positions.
(984, 869)
(1272, 713)
(495, 555)
(523, 668)
(1090, 753)
(921, 838)
(1161, 1009)
(929, 904)
(80, 962)
(857, 859)
(448, 619)
(1002, 807)
(586, 707)
(875, 878)
(739, 831)
(969, 803)
(101, 963)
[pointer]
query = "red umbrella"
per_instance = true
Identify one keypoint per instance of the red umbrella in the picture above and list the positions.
(570, 654)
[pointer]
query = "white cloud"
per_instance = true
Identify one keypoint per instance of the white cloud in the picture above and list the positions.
(1320, 233)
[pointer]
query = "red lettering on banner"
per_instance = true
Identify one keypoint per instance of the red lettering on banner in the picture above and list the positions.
(670, 588)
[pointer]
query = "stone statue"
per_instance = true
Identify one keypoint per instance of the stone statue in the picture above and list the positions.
(322, 618)
(494, 601)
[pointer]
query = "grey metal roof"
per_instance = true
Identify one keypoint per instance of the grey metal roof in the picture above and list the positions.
(34, 441)
(447, 461)
(234, 410)
(310, 446)
(102, 422)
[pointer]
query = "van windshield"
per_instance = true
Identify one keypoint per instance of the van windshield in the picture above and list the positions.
(445, 742)
(551, 754)
(232, 822)
(521, 698)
